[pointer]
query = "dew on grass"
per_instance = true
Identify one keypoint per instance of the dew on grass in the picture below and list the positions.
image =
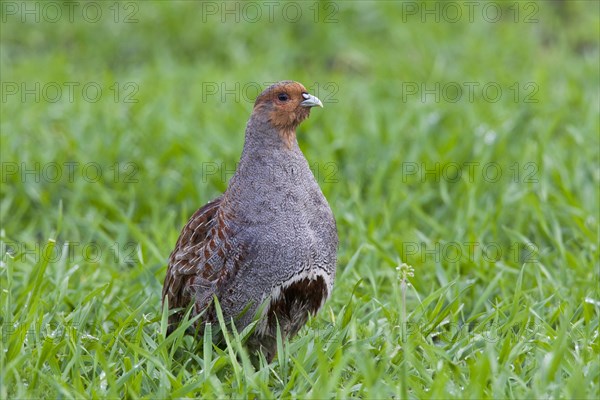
(589, 300)
(490, 137)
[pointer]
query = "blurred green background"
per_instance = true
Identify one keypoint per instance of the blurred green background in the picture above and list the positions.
(414, 94)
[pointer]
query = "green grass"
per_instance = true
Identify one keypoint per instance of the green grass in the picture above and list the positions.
(505, 298)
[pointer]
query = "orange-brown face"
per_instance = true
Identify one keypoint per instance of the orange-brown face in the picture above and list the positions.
(287, 103)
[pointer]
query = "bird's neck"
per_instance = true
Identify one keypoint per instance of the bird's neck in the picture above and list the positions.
(268, 154)
(262, 138)
(267, 162)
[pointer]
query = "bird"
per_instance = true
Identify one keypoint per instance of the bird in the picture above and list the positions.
(266, 249)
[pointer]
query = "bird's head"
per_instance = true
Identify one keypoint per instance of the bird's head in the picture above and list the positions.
(285, 104)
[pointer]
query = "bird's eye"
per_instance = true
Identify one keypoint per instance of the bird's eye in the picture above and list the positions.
(283, 97)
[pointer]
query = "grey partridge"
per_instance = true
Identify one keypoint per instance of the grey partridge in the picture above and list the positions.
(266, 248)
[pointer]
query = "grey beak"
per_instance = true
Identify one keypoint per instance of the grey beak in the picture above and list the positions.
(311, 101)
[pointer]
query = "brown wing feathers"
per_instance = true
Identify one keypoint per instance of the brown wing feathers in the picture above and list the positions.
(189, 260)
